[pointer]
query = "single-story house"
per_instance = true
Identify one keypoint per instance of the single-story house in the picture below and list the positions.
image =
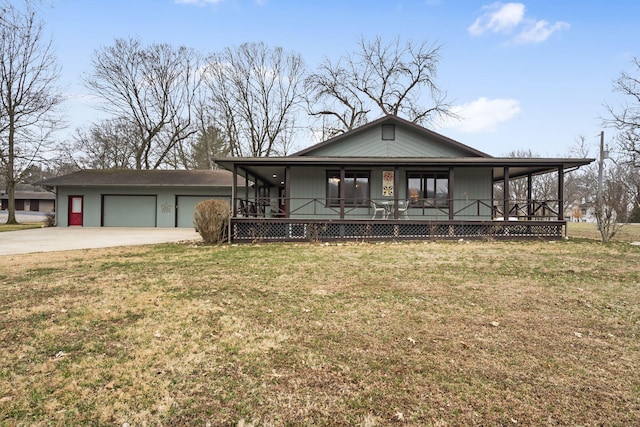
(135, 198)
(388, 179)
(30, 201)
(391, 179)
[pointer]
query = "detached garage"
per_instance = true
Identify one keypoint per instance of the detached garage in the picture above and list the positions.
(135, 198)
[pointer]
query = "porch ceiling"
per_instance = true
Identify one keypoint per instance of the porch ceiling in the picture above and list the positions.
(272, 169)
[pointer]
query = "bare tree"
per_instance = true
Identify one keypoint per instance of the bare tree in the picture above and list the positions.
(395, 78)
(63, 162)
(618, 197)
(109, 144)
(580, 186)
(255, 92)
(633, 185)
(620, 188)
(628, 176)
(28, 96)
(626, 117)
(330, 96)
(612, 210)
(154, 87)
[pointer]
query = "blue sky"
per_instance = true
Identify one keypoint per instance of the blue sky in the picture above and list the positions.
(524, 75)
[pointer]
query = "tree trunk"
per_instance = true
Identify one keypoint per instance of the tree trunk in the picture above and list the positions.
(11, 182)
(11, 193)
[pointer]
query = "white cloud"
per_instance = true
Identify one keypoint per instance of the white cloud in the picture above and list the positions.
(508, 17)
(482, 115)
(539, 31)
(498, 18)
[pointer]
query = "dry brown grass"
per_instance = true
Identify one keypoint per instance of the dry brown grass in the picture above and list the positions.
(18, 227)
(506, 333)
(588, 230)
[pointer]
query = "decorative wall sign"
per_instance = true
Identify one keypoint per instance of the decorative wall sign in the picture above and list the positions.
(387, 183)
(165, 208)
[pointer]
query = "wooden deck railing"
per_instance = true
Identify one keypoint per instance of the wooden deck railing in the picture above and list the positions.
(419, 209)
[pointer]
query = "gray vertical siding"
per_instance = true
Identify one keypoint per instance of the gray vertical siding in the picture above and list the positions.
(407, 143)
(470, 184)
(165, 210)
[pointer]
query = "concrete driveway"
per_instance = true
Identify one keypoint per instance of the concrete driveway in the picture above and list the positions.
(52, 239)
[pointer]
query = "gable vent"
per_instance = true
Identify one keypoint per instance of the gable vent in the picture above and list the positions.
(388, 132)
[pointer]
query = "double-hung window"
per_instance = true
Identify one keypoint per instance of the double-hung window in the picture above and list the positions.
(428, 189)
(355, 184)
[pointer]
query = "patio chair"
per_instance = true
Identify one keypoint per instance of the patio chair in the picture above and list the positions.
(403, 209)
(242, 210)
(376, 209)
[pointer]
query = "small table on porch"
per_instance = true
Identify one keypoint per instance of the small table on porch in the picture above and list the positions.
(388, 206)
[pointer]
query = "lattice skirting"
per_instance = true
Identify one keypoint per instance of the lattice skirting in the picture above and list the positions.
(251, 231)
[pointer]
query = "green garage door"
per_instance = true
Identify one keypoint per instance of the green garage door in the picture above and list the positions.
(186, 208)
(128, 211)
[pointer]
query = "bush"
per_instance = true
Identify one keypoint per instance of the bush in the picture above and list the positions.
(635, 215)
(211, 220)
(50, 219)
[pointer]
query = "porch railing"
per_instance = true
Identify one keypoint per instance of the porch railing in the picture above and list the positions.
(418, 210)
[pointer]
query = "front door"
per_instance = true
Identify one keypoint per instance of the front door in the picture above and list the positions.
(75, 210)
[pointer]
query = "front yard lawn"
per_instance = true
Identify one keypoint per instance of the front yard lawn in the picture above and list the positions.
(452, 333)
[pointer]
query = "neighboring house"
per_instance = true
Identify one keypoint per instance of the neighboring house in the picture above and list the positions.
(582, 212)
(30, 201)
(391, 179)
(135, 198)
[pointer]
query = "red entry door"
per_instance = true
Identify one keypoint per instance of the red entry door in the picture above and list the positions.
(75, 210)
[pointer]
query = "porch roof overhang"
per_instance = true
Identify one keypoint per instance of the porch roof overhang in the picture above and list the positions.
(271, 170)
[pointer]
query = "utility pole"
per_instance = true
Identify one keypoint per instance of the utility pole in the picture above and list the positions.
(603, 155)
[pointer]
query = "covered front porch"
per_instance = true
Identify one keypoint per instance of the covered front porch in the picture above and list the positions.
(326, 199)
